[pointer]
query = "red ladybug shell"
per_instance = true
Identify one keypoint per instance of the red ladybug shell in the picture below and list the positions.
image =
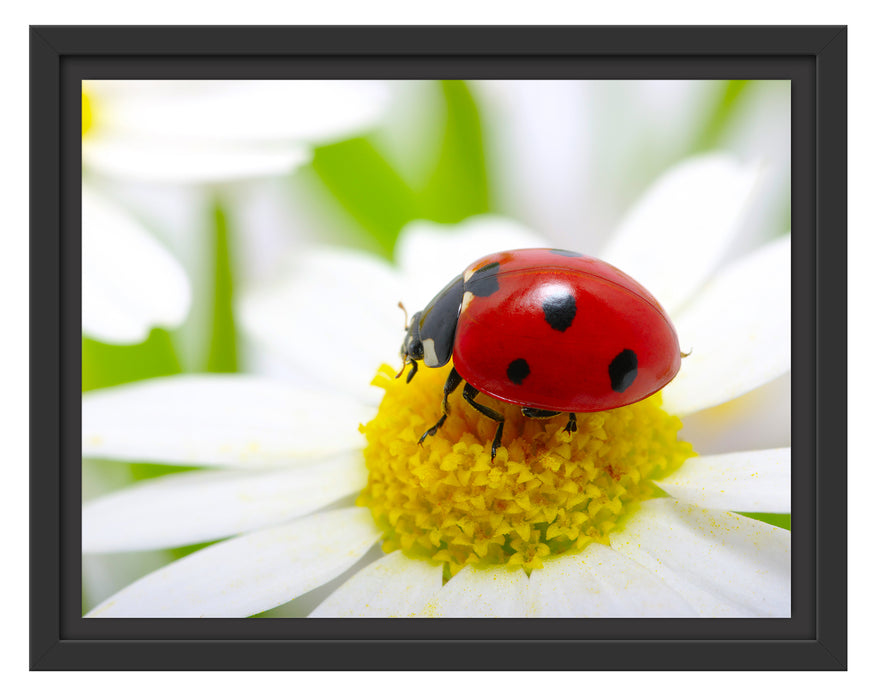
(560, 331)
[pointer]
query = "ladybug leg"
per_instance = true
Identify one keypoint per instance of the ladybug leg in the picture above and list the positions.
(433, 429)
(529, 412)
(497, 440)
(413, 369)
(469, 392)
(538, 412)
(453, 380)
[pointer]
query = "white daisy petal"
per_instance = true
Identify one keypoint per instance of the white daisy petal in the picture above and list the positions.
(190, 131)
(749, 482)
(323, 110)
(693, 210)
(218, 420)
(394, 586)
(251, 573)
(263, 110)
(759, 420)
(724, 565)
(105, 574)
(337, 315)
(432, 254)
(161, 160)
(490, 592)
(183, 509)
(130, 283)
(737, 330)
(600, 582)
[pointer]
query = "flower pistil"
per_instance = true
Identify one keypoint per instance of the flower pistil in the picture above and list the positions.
(546, 493)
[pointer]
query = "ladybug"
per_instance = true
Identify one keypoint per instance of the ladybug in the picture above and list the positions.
(550, 330)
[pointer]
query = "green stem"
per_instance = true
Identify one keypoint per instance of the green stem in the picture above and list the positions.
(222, 348)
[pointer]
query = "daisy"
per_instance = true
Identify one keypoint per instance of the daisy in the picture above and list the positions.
(620, 518)
(188, 133)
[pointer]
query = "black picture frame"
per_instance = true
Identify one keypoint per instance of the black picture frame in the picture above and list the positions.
(812, 57)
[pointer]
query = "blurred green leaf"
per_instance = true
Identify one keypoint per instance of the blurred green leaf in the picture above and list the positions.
(109, 365)
(783, 520)
(785, 216)
(458, 185)
(368, 187)
(102, 476)
(222, 348)
(148, 470)
(380, 199)
(186, 550)
(721, 115)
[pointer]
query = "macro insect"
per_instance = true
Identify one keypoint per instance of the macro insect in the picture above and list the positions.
(549, 330)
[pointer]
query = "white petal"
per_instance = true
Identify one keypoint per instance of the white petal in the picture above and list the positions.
(490, 592)
(336, 315)
(724, 565)
(432, 254)
(737, 330)
(600, 582)
(130, 282)
(675, 236)
(251, 573)
(538, 144)
(227, 111)
(218, 420)
(105, 574)
(749, 482)
(167, 161)
(759, 420)
(393, 586)
(182, 509)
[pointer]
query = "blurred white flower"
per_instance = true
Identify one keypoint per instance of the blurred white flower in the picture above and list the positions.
(131, 283)
(188, 133)
(284, 456)
(569, 157)
(217, 131)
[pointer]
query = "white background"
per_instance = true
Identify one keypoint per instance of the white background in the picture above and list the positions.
(863, 344)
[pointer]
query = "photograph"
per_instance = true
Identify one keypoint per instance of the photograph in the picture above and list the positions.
(437, 348)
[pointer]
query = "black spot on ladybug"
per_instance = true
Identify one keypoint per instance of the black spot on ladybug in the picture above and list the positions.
(565, 253)
(622, 370)
(484, 281)
(518, 370)
(559, 308)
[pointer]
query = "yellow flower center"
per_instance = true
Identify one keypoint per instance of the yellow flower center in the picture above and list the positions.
(87, 113)
(547, 492)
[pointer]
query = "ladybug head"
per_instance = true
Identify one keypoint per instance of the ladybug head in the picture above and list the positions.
(411, 348)
(432, 331)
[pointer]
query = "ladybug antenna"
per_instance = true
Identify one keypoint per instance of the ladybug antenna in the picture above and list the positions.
(681, 354)
(406, 327)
